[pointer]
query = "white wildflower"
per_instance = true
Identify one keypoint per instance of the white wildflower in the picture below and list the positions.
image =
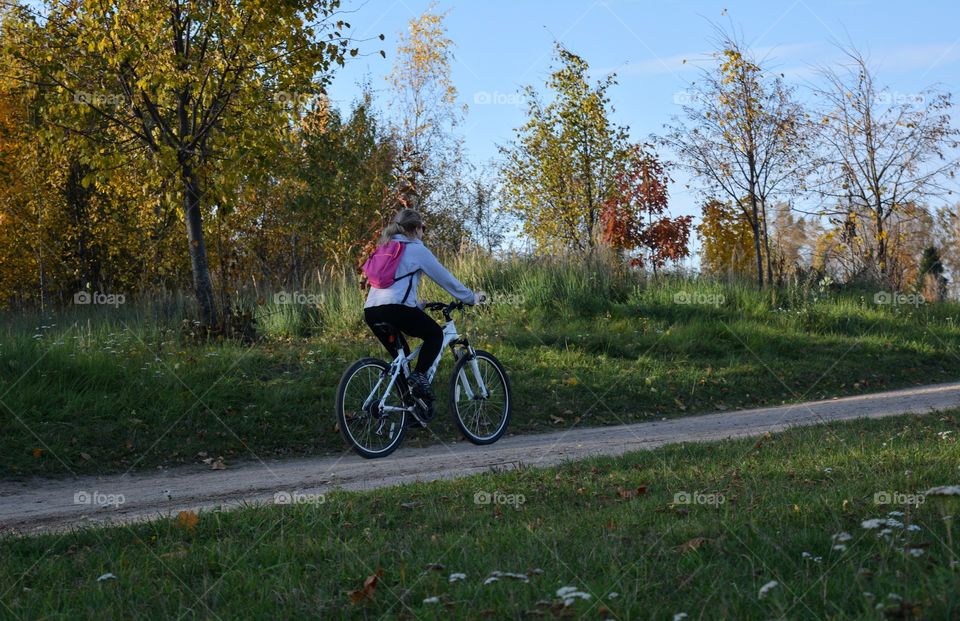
(943, 490)
(570, 594)
(766, 589)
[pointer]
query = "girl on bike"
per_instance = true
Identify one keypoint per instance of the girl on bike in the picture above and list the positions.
(398, 304)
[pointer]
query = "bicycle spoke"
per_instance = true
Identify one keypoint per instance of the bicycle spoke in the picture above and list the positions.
(373, 433)
(481, 417)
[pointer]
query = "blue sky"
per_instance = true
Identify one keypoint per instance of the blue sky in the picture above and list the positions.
(502, 45)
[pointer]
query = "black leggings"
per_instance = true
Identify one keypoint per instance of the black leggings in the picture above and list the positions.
(412, 321)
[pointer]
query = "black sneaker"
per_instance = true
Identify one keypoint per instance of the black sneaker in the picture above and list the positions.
(421, 387)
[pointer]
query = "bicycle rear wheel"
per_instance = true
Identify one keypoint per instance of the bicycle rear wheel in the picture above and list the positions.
(369, 431)
(481, 418)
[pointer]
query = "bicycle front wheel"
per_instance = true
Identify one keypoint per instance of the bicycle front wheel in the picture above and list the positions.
(480, 397)
(371, 432)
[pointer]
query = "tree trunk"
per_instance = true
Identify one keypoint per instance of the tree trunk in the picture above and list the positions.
(202, 286)
(757, 233)
(766, 243)
(77, 199)
(881, 250)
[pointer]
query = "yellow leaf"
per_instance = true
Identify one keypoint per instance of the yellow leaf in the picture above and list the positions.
(187, 520)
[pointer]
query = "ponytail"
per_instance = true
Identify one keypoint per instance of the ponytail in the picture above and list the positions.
(406, 222)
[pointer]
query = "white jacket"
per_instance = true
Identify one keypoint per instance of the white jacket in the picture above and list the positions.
(417, 258)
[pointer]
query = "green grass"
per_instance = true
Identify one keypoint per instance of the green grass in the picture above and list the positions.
(603, 526)
(99, 389)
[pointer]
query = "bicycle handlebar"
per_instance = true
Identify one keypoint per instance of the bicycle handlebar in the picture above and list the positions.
(445, 308)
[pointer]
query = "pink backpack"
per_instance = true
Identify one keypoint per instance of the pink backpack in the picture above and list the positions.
(381, 268)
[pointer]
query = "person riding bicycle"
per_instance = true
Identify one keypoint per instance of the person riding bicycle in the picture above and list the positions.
(398, 304)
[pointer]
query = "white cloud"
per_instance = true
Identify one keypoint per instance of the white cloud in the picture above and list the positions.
(678, 63)
(922, 56)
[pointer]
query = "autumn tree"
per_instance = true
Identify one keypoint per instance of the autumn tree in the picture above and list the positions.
(425, 116)
(946, 236)
(201, 87)
(930, 279)
(790, 242)
(347, 172)
(882, 156)
(59, 235)
(565, 163)
(472, 197)
(846, 249)
(727, 244)
(634, 218)
(742, 136)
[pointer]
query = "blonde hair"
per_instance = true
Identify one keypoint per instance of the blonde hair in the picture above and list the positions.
(407, 221)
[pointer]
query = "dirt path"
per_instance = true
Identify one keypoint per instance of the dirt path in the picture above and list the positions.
(41, 505)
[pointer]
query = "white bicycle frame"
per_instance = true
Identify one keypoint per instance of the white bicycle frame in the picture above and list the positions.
(402, 362)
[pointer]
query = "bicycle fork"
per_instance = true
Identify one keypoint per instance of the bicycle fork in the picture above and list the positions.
(475, 369)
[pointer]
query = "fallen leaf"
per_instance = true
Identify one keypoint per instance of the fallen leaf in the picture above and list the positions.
(37, 452)
(187, 520)
(692, 545)
(85, 456)
(630, 493)
(218, 465)
(369, 588)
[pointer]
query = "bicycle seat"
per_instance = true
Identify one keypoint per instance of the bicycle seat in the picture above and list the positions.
(390, 331)
(386, 328)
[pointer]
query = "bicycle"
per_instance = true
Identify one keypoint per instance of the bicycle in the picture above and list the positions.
(375, 405)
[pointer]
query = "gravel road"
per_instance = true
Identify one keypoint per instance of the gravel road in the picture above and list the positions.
(42, 505)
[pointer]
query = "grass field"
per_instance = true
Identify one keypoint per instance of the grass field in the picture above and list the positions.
(785, 526)
(100, 389)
